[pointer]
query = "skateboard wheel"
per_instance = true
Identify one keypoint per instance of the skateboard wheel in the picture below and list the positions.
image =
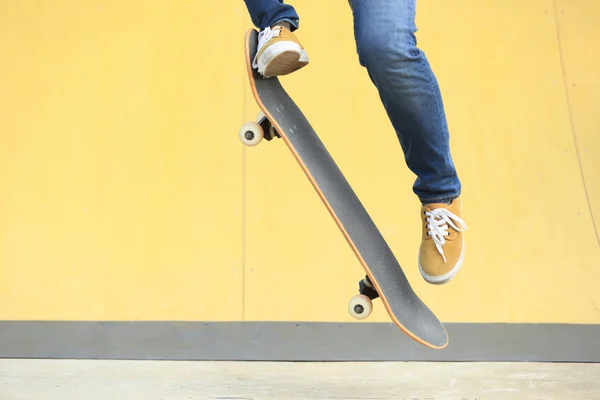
(251, 133)
(360, 306)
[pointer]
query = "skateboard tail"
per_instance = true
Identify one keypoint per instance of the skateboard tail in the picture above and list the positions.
(249, 37)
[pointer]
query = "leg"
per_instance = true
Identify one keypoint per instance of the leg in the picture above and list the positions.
(386, 44)
(385, 37)
(265, 13)
(279, 50)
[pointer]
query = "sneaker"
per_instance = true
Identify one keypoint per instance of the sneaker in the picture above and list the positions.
(442, 248)
(279, 52)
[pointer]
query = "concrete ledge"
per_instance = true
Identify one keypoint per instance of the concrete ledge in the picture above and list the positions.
(291, 341)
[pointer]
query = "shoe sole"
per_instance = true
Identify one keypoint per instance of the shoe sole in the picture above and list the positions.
(282, 59)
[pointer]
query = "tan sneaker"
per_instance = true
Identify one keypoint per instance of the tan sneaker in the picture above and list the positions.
(442, 248)
(279, 52)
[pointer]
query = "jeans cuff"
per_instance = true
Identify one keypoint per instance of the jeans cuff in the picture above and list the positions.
(444, 200)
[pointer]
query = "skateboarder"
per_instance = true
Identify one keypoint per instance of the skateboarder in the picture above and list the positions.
(384, 34)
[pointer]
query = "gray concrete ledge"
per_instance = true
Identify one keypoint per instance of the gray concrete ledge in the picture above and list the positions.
(293, 341)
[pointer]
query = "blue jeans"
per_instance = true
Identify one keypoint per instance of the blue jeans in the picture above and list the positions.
(384, 31)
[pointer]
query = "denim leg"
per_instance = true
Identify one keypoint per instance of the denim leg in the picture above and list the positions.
(266, 12)
(386, 45)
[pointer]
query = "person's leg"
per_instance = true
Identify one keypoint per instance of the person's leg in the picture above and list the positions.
(279, 50)
(385, 38)
(265, 13)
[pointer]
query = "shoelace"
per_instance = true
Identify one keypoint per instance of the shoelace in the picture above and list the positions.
(438, 221)
(263, 37)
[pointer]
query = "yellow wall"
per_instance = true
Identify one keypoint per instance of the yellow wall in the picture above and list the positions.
(126, 194)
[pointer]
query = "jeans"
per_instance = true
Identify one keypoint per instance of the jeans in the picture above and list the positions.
(384, 31)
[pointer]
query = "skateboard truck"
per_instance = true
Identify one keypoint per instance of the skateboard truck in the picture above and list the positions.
(253, 132)
(360, 306)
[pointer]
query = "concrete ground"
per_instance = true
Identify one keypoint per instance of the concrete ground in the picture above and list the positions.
(145, 380)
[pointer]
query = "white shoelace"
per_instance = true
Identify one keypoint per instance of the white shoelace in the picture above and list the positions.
(263, 37)
(437, 227)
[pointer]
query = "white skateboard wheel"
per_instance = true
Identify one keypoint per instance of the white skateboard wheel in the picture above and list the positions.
(360, 306)
(251, 133)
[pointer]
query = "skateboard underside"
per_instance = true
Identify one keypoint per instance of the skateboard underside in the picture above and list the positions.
(406, 309)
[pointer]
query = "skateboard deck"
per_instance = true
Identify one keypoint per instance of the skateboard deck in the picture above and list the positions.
(282, 118)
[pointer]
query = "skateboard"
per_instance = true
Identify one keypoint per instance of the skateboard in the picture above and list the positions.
(281, 118)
